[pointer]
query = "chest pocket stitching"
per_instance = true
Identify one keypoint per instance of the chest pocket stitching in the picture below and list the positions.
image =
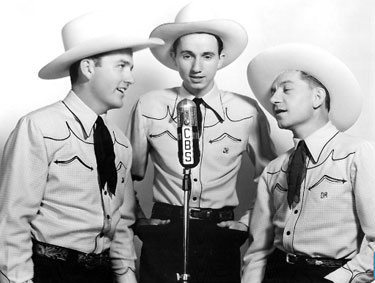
(71, 160)
(223, 136)
(328, 179)
(153, 136)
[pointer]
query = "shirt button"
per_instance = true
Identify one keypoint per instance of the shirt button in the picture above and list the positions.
(195, 180)
(296, 211)
(288, 233)
(101, 235)
(108, 217)
(105, 192)
(194, 198)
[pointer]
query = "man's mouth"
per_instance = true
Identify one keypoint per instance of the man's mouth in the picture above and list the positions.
(121, 89)
(196, 78)
(279, 111)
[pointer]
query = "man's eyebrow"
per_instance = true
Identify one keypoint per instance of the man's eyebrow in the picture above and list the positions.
(192, 53)
(186, 51)
(127, 62)
(273, 88)
(208, 53)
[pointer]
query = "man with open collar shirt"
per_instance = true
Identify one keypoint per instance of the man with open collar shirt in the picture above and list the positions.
(313, 219)
(67, 200)
(197, 45)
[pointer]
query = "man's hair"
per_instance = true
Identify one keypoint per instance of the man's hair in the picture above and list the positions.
(314, 82)
(220, 43)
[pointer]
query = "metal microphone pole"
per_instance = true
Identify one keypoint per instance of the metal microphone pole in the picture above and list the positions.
(189, 156)
(186, 186)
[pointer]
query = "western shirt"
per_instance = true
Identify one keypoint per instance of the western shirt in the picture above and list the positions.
(335, 210)
(238, 126)
(49, 190)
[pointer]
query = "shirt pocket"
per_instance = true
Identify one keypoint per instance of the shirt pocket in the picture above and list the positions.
(280, 192)
(330, 192)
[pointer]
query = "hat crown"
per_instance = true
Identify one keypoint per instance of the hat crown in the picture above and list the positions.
(95, 33)
(195, 12)
(92, 26)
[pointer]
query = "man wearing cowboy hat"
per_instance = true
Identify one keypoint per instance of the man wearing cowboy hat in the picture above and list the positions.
(313, 217)
(197, 45)
(65, 183)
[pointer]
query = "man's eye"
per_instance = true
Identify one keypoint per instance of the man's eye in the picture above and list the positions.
(186, 57)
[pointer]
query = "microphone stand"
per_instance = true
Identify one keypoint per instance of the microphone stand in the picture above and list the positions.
(186, 186)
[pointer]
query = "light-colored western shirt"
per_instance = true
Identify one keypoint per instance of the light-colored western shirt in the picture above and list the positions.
(49, 190)
(244, 128)
(336, 207)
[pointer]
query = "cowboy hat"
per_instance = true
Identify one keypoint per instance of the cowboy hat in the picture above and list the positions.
(91, 34)
(194, 18)
(343, 87)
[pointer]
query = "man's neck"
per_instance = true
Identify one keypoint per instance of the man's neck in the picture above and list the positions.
(306, 130)
(199, 92)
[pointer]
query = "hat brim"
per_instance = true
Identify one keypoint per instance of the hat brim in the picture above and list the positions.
(344, 89)
(233, 35)
(59, 67)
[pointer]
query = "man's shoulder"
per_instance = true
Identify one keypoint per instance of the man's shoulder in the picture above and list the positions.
(40, 113)
(153, 96)
(351, 143)
(157, 101)
(43, 114)
(240, 100)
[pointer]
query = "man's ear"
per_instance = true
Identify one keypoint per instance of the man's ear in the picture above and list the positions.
(319, 97)
(173, 56)
(87, 67)
(221, 60)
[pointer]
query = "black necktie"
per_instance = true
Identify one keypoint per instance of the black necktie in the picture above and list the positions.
(198, 102)
(105, 156)
(296, 172)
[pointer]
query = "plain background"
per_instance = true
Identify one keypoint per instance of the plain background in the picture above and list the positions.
(30, 33)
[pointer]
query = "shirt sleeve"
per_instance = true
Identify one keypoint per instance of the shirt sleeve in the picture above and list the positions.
(261, 235)
(23, 177)
(138, 137)
(122, 250)
(260, 148)
(360, 267)
(261, 151)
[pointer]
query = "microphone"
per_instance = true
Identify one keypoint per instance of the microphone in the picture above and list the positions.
(187, 134)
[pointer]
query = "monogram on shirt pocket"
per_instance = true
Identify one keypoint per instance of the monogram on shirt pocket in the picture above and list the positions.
(330, 191)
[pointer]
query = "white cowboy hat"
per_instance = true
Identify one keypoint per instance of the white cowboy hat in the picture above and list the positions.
(343, 87)
(193, 18)
(92, 34)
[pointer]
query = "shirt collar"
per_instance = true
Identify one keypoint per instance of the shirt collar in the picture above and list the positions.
(212, 98)
(83, 114)
(317, 140)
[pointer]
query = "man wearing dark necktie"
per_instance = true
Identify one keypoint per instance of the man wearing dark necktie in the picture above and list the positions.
(313, 218)
(197, 45)
(105, 156)
(65, 185)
